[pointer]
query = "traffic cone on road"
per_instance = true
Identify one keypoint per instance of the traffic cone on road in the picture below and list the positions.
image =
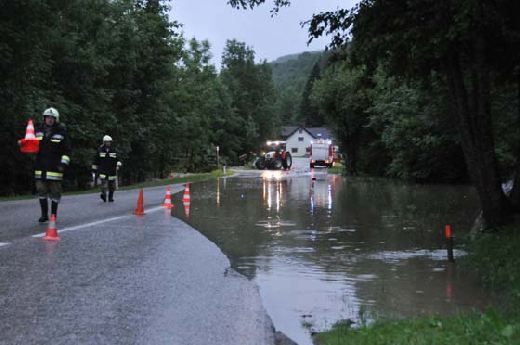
(168, 199)
(186, 194)
(30, 144)
(52, 232)
(139, 210)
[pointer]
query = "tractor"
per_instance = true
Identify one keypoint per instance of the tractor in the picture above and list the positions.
(274, 156)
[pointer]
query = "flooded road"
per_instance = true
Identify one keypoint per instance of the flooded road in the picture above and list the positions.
(338, 248)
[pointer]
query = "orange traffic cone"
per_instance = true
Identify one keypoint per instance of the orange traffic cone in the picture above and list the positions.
(30, 144)
(187, 210)
(186, 200)
(52, 232)
(186, 195)
(139, 210)
(168, 199)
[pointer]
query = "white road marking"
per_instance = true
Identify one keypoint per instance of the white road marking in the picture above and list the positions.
(77, 227)
(4, 244)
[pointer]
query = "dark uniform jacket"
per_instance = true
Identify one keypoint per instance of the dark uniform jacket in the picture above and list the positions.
(106, 163)
(54, 153)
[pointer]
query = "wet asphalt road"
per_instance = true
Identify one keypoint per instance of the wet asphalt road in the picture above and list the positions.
(115, 278)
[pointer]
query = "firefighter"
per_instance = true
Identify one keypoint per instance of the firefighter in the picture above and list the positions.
(106, 166)
(51, 161)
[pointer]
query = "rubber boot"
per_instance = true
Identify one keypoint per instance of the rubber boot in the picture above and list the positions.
(111, 196)
(54, 208)
(44, 206)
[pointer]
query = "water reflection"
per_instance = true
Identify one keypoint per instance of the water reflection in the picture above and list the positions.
(327, 248)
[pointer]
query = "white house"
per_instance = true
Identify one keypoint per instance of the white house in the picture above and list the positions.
(298, 139)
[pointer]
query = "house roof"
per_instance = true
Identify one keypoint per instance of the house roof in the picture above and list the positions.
(315, 132)
(288, 130)
(321, 133)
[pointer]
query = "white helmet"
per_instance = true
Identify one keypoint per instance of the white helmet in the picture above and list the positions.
(52, 112)
(107, 138)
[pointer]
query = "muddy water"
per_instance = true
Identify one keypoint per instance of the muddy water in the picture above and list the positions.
(339, 248)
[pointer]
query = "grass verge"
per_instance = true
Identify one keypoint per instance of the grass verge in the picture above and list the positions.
(496, 258)
(152, 183)
(337, 169)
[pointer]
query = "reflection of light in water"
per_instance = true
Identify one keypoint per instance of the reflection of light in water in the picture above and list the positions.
(330, 197)
(268, 193)
(272, 174)
(392, 256)
(278, 198)
(269, 198)
(264, 186)
(218, 192)
(321, 195)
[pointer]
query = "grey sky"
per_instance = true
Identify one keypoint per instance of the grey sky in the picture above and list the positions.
(270, 37)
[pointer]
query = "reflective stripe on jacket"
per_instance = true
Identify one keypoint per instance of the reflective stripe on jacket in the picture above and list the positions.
(54, 152)
(106, 163)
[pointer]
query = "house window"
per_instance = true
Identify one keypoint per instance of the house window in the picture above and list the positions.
(294, 150)
(300, 138)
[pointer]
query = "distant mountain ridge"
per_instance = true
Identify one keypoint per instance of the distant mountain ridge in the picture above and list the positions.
(295, 56)
(290, 75)
(294, 69)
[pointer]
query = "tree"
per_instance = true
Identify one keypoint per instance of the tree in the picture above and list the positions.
(342, 96)
(252, 94)
(309, 115)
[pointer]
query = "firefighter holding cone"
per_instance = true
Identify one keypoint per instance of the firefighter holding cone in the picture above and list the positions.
(52, 159)
(106, 165)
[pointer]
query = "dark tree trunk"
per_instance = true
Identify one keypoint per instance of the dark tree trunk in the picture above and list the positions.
(475, 128)
(351, 152)
(515, 193)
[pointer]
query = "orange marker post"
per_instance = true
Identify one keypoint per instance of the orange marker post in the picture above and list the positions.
(448, 233)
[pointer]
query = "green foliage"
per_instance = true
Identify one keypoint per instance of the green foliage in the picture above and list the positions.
(415, 128)
(252, 95)
(290, 75)
(342, 96)
(470, 329)
(494, 256)
(310, 116)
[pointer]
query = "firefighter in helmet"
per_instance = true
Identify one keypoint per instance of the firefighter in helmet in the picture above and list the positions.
(106, 165)
(52, 159)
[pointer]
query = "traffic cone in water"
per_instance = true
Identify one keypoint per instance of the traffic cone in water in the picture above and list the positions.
(139, 210)
(187, 210)
(52, 232)
(186, 200)
(30, 144)
(168, 199)
(186, 195)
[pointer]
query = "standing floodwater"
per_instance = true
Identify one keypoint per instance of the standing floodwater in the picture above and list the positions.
(339, 248)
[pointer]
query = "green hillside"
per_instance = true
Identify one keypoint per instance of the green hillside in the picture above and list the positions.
(290, 74)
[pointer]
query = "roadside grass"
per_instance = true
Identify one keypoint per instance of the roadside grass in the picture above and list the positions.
(151, 183)
(486, 328)
(337, 169)
(496, 259)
